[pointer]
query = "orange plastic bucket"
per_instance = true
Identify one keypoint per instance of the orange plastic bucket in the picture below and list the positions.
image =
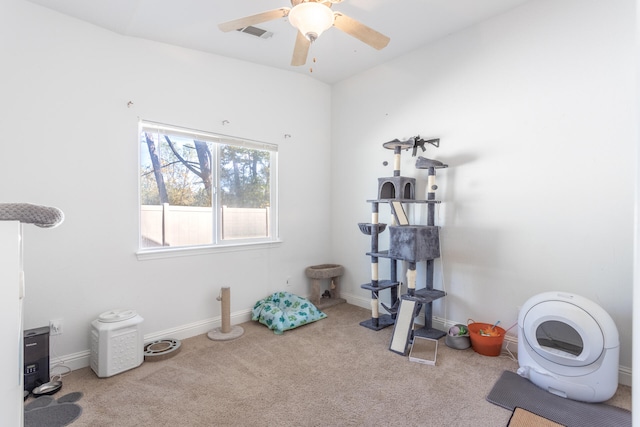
(487, 346)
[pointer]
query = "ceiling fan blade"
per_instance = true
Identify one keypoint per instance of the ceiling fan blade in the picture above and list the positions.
(247, 21)
(301, 50)
(360, 31)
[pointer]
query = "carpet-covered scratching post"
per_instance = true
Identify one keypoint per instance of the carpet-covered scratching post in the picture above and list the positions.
(225, 332)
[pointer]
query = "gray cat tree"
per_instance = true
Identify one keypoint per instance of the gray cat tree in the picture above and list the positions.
(407, 242)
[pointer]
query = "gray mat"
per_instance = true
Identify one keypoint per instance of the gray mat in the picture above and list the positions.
(511, 391)
(45, 411)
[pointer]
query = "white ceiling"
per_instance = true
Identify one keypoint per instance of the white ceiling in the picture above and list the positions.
(194, 24)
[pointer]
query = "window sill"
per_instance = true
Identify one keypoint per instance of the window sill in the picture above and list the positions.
(163, 253)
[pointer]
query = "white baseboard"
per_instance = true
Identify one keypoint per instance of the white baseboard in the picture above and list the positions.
(511, 341)
(357, 300)
(624, 375)
(63, 364)
(198, 328)
(81, 359)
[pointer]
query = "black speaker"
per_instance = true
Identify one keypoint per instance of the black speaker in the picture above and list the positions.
(36, 357)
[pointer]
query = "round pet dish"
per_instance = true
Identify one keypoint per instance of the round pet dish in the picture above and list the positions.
(47, 388)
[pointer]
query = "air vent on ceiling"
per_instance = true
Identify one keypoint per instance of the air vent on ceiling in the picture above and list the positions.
(255, 31)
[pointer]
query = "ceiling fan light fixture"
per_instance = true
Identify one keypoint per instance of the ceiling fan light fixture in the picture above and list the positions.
(311, 19)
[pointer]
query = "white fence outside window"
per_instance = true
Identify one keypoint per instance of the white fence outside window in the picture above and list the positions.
(165, 225)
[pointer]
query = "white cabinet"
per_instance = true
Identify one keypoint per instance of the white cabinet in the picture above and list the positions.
(11, 293)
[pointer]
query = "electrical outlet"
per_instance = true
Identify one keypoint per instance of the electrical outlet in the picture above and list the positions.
(55, 327)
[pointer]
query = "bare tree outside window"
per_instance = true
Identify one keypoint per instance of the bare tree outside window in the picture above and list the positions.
(203, 189)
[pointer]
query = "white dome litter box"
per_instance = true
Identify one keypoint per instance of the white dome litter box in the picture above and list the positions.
(569, 346)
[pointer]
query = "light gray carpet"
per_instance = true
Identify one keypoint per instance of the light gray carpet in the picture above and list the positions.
(511, 391)
(332, 372)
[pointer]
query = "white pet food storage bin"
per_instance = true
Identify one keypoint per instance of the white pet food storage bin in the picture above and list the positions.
(569, 346)
(116, 342)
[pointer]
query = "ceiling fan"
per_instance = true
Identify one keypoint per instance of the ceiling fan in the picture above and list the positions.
(311, 18)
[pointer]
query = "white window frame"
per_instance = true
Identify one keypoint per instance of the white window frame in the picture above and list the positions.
(218, 244)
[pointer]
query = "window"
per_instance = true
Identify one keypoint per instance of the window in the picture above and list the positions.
(199, 189)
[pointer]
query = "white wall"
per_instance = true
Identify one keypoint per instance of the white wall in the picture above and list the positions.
(11, 359)
(636, 265)
(69, 140)
(536, 114)
(535, 109)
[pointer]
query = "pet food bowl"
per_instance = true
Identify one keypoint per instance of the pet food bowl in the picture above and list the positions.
(486, 345)
(458, 337)
(47, 388)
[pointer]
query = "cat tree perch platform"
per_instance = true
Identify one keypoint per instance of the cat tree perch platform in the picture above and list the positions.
(331, 272)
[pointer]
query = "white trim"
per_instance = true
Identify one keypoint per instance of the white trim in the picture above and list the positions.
(218, 245)
(217, 138)
(73, 361)
(148, 254)
(81, 359)
(357, 300)
(624, 372)
(624, 375)
(198, 328)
